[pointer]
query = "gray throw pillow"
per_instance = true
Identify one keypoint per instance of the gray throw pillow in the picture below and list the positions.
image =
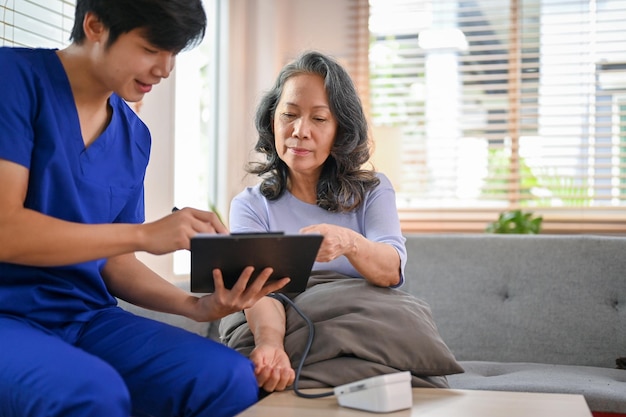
(380, 325)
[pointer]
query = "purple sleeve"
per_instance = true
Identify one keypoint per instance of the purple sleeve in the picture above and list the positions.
(247, 213)
(381, 221)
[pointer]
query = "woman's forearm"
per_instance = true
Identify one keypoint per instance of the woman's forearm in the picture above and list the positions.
(378, 263)
(267, 322)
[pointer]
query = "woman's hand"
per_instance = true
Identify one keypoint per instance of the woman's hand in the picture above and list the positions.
(272, 368)
(337, 241)
(223, 301)
(377, 262)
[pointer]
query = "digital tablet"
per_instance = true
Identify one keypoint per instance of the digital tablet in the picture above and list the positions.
(290, 255)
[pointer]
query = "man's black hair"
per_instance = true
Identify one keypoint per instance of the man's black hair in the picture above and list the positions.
(171, 25)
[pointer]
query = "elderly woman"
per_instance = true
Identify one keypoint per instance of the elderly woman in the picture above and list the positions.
(313, 134)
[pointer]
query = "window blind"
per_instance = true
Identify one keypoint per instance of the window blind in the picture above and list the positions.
(36, 23)
(355, 57)
(502, 105)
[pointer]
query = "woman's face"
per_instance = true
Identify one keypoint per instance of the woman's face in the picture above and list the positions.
(304, 127)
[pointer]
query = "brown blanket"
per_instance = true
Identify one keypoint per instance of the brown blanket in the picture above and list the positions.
(360, 331)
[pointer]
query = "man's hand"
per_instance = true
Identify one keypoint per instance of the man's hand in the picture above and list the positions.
(174, 232)
(223, 302)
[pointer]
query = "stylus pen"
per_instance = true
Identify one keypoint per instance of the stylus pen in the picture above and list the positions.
(212, 208)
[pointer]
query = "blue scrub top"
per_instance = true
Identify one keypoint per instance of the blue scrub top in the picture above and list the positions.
(39, 129)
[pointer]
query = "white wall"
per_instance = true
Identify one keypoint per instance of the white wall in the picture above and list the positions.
(157, 111)
(263, 36)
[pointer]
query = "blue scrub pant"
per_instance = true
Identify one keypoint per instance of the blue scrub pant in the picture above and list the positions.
(116, 365)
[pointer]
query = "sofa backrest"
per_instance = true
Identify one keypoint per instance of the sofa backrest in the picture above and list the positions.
(557, 299)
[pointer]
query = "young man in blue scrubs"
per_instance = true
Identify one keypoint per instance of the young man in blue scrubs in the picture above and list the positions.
(73, 157)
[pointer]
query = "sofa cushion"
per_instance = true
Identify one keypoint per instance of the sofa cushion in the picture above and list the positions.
(524, 298)
(604, 389)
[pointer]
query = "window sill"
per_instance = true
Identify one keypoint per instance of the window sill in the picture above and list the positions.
(605, 221)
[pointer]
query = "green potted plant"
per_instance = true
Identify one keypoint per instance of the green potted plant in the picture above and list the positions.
(517, 222)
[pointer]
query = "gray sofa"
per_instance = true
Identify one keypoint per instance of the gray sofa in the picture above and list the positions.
(540, 313)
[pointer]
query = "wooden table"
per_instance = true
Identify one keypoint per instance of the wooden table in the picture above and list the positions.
(431, 402)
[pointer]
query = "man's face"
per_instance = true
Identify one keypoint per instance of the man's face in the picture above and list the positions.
(131, 65)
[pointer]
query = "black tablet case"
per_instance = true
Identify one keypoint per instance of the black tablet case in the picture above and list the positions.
(290, 256)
